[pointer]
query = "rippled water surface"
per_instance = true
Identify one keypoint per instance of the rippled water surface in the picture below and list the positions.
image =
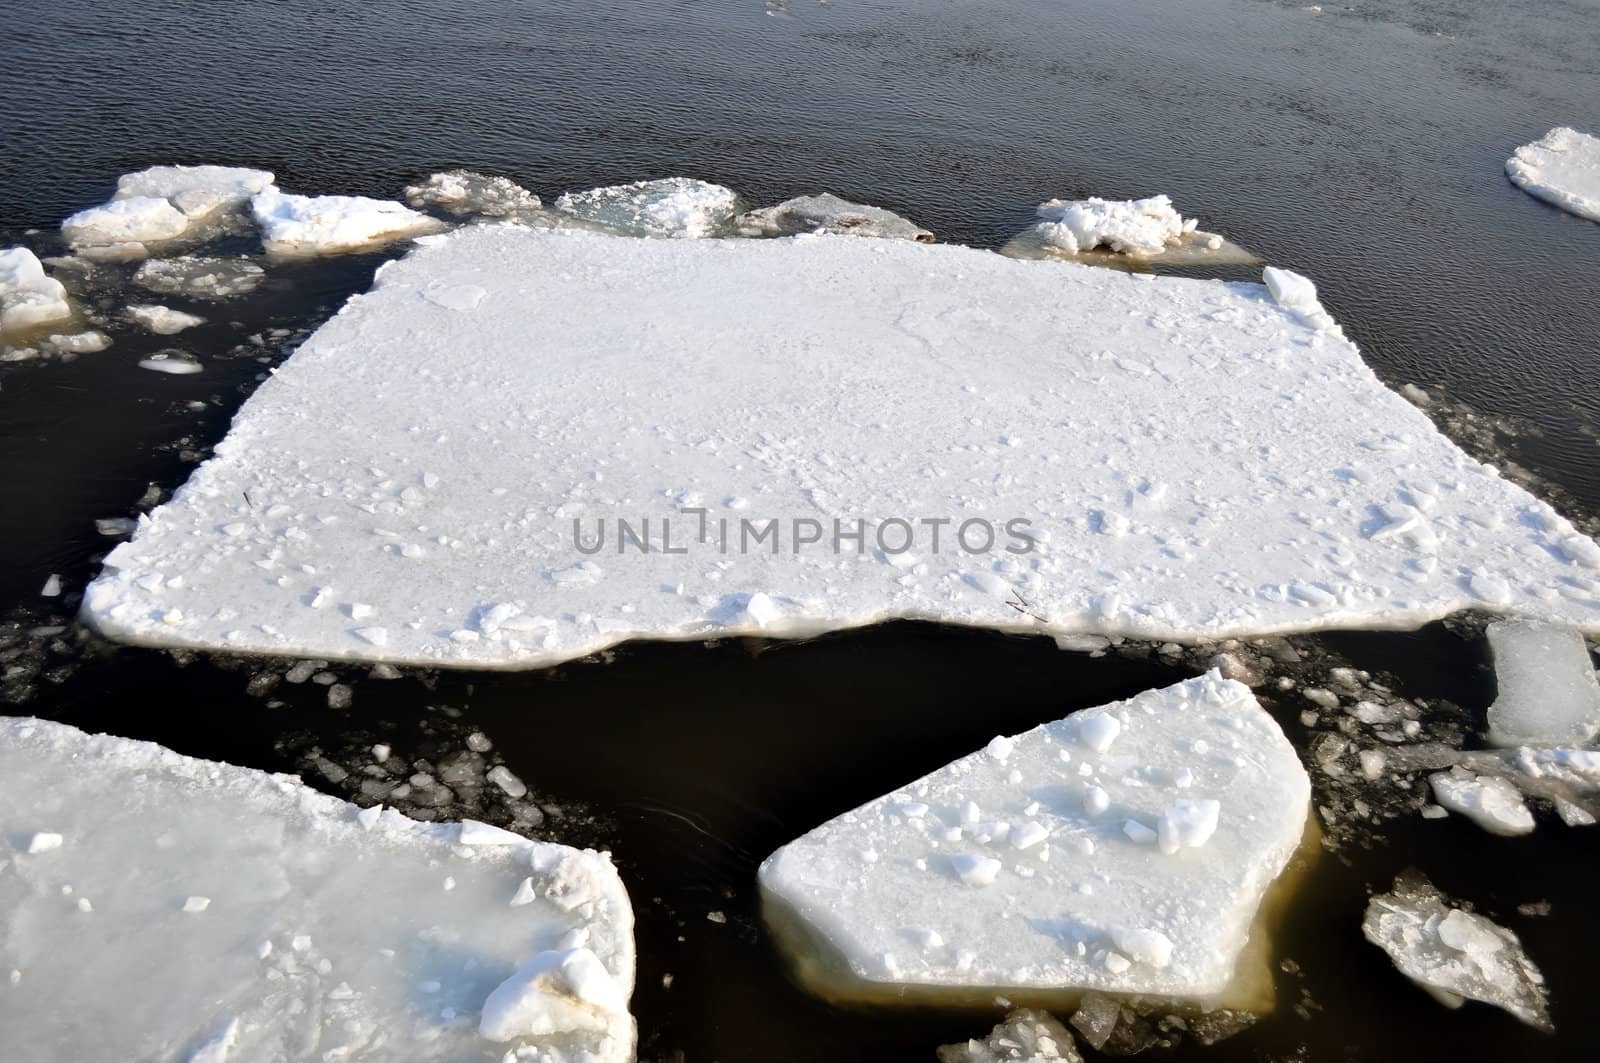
(1361, 144)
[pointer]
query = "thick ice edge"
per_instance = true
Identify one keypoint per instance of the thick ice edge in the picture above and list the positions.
(1158, 458)
(1124, 849)
(152, 905)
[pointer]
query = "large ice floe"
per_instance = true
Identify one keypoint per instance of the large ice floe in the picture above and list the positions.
(1454, 954)
(30, 299)
(326, 225)
(159, 205)
(670, 206)
(1124, 849)
(162, 908)
(465, 465)
(1563, 169)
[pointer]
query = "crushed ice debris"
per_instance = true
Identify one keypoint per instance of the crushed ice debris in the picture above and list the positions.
(1176, 931)
(163, 321)
(671, 206)
(1126, 226)
(827, 213)
(1023, 1036)
(199, 276)
(329, 225)
(1489, 801)
(29, 298)
(159, 205)
(1454, 954)
(1191, 561)
(309, 922)
(463, 192)
(1545, 688)
(1563, 169)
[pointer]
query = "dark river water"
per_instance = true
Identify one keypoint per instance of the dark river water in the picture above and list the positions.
(1362, 145)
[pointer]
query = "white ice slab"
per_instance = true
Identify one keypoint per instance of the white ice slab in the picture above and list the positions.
(176, 902)
(671, 206)
(158, 205)
(1191, 459)
(1545, 688)
(196, 191)
(1075, 893)
(29, 297)
(827, 213)
(1563, 169)
(1453, 954)
(163, 320)
(1126, 226)
(330, 225)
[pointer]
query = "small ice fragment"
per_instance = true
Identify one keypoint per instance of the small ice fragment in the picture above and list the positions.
(975, 870)
(1188, 824)
(173, 363)
(52, 587)
(1099, 730)
(502, 777)
(43, 842)
(196, 904)
(1144, 946)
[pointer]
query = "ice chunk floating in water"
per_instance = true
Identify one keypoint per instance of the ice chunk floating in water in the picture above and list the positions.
(1563, 169)
(328, 225)
(463, 192)
(1163, 459)
(1546, 693)
(1026, 1036)
(827, 213)
(285, 923)
(161, 204)
(1128, 226)
(672, 206)
(29, 298)
(1453, 954)
(879, 901)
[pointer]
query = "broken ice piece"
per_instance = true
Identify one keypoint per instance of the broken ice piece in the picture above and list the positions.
(1454, 954)
(1024, 1035)
(1489, 801)
(1545, 688)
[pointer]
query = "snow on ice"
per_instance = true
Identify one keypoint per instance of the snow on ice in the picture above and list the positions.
(29, 298)
(1171, 459)
(285, 923)
(671, 206)
(329, 225)
(827, 213)
(1563, 169)
(1453, 954)
(1546, 693)
(1082, 906)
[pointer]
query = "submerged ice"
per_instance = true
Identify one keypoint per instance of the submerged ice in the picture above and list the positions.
(671, 206)
(968, 438)
(999, 873)
(1546, 693)
(827, 213)
(285, 924)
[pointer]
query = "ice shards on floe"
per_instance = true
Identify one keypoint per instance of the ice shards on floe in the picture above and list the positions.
(464, 192)
(671, 206)
(29, 298)
(327, 225)
(303, 924)
(1546, 693)
(1454, 954)
(827, 213)
(385, 497)
(1563, 169)
(1167, 921)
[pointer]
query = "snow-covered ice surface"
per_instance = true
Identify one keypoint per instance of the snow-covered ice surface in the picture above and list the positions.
(329, 225)
(670, 206)
(1563, 169)
(1025, 1036)
(1454, 954)
(162, 204)
(1192, 461)
(827, 213)
(152, 905)
(29, 297)
(1057, 861)
(1546, 693)
(465, 192)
